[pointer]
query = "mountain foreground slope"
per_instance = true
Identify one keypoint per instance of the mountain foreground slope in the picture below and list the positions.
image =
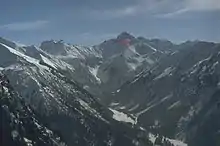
(179, 97)
(50, 98)
(124, 91)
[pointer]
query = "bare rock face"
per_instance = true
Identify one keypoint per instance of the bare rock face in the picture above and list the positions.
(19, 124)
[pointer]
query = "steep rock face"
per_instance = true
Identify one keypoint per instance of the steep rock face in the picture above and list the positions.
(124, 57)
(55, 48)
(12, 44)
(19, 124)
(123, 42)
(79, 63)
(161, 45)
(6, 57)
(65, 107)
(167, 97)
(64, 50)
(204, 129)
(93, 67)
(82, 62)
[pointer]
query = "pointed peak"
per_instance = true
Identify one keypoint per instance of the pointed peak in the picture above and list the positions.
(125, 35)
(54, 47)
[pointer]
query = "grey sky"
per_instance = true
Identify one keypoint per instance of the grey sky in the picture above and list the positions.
(92, 21)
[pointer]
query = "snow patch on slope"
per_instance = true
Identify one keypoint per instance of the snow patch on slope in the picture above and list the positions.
(155, 104)
(145, 110)
(94, 72)
(119, 116)
(176, 104)
(166, 72)
(167, 97)
(177, 142)
(151, 47)
(132, 66)
(130, 52)
(153, 137)
(28, 142)
(47, 61)
(133, 108)
(148, 60)
(90, 109)
(114, 104)
(13, 67)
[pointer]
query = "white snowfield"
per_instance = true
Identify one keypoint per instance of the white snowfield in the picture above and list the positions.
(47, 61)
(167, 72)
(152, 138)
(94, 72)
(119, 116)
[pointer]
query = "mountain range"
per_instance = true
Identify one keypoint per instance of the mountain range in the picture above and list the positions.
(127, 90)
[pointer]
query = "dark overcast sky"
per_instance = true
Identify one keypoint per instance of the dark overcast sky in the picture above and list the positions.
(92, 21)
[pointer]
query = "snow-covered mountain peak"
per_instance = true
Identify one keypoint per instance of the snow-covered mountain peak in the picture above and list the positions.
(54, 47)
(64, 50)
(125, 35)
